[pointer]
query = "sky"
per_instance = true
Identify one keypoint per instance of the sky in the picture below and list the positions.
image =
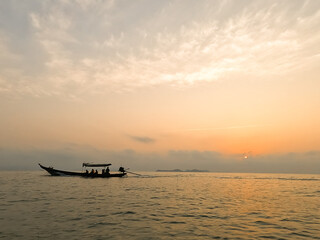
(222, 85)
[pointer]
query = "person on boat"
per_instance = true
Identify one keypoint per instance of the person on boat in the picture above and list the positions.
(107, 171)
(96, 172)
(92, 172)
(103, 171)
(121, 169)
(87, 172)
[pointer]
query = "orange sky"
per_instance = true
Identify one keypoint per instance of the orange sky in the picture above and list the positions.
(229, 77)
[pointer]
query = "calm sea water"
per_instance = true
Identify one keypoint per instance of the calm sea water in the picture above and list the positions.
(34, 205)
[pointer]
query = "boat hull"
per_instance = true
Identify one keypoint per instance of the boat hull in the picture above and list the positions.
(56, 172)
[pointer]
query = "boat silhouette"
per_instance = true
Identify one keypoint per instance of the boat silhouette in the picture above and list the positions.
(93, 174)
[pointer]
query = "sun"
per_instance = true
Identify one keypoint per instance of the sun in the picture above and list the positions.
(246, 155)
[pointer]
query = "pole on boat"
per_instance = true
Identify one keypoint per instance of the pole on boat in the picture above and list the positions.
(134, 173)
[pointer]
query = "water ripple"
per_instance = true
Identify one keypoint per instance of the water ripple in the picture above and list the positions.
(164, 206)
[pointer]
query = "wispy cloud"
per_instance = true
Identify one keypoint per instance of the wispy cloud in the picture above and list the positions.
(143, 139)
(94, 47)
(222, 128)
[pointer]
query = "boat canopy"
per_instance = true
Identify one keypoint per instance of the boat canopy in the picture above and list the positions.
(95, 165)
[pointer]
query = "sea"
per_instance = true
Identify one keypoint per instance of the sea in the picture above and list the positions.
(160, 205)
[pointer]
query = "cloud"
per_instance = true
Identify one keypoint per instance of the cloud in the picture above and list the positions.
(221, 128)
(141, 139)
(72, 156)
(96, 47)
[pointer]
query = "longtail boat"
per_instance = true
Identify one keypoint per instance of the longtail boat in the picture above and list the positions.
(93, 174)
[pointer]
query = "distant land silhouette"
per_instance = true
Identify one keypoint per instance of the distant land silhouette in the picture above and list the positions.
(179, 170)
